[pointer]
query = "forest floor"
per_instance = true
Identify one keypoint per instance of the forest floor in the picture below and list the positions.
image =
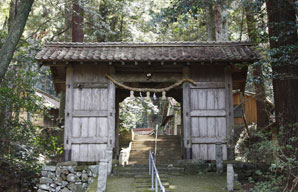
(209, 182)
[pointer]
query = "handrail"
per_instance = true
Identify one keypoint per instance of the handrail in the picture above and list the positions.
(155, 141)
(155, 179)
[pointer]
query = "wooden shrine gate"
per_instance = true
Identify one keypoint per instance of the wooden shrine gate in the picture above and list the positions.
(80, 70)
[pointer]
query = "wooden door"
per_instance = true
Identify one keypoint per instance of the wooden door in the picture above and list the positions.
(90, 129)
(207, 117)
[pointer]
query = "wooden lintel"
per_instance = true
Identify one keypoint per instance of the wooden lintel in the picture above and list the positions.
(209, 85)
(79, 113)
(204, 140)
(89, 85)
(208, 113)
(89, 140)
(142, 78)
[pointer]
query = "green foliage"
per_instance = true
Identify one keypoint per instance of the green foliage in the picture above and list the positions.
(23, 145)
(261, 148)
(134, 113)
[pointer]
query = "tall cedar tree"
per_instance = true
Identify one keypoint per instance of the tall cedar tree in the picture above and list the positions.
(14, 35)
(262, 113)
(77, 22)
(283, 39)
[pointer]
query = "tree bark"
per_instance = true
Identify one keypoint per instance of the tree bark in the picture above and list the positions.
(262, 113)
(13, 11)
(68, 20)
(8, 48)
(210, 20)
(221, 20)
(282, 33)
(77, 22)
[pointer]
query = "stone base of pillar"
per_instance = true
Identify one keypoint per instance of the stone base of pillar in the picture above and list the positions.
(188, 153)
(67, 155)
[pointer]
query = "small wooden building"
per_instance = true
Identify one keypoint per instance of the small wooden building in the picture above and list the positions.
(91, 121)
(47, 118)
(246, 107)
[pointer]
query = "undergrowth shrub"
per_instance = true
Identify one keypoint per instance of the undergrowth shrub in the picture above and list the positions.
(260, 148)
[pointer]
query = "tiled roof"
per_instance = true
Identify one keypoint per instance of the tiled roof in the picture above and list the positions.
(167, 51)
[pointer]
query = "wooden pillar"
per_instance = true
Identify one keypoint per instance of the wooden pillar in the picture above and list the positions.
(111, 111)
(186, 115)
(68, 113)
(117, 150)
(229, 113)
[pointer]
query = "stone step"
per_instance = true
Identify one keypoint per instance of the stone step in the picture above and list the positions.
(158, 136)
(166, 159)
(146, 169)
(160, 154)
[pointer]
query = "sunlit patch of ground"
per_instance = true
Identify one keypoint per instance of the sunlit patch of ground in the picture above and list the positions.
(116, 184)
(208, 182)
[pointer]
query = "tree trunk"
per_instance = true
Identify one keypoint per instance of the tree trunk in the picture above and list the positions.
(281, 21)
(68, 20)
(77, 22)
(221, 20)
(262, 113)
(13, 11)
(8, 48)
(210, 20)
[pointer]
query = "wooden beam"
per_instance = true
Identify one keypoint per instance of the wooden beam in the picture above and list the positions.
(90, 113)
(89, 140)
(142, 78)
(208, 85)
(204, 140)
(89, 85)
(208, 113)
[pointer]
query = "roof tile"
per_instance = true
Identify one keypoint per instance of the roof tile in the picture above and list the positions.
(167, 51)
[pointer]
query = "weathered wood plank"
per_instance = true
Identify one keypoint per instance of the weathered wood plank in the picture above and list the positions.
(77, 99)
(101, 127)
(186, 116)
(203, 126)
(83, 152)
(210, 98)
(92, 127)
(208, 140)
(195, 129)
(211, 151)
(141, 77)
(85, 127)
(208, 113)
(96, 99)
(103, 99)
(89, 85)
(202, 99)
(229, 110)
(89, 140)
(90, 113)
(211, 131)
(75, 152)
(203, 152)
(68, 109)
(111, 115)
(76, 127)
(208, 85)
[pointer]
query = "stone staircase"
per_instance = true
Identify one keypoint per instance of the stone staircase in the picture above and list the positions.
(142, 179)
(168, 149)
